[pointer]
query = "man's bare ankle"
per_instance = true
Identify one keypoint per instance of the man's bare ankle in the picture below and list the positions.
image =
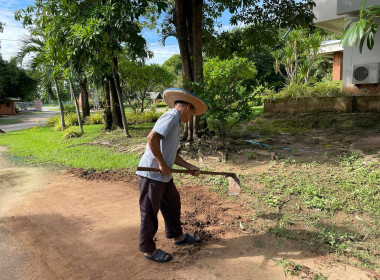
(151, 253)
(178, 238)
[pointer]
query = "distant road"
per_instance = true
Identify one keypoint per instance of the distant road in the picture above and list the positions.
(26, 120)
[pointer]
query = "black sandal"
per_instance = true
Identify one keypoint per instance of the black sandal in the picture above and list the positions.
(189, 239)
(160, 256)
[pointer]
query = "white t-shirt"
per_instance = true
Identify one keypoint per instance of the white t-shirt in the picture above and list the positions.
(169, 126)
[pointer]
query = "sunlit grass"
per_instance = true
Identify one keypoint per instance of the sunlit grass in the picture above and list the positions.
(9, 121)
(43, 145)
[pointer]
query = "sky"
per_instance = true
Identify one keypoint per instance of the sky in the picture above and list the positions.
(14, 32)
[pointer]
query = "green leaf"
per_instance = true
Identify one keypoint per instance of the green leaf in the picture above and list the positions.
(374, 28)
(350, 36)
(353, 36)
(362, 43)
(362, 6)
(370, 40)
(360, 29)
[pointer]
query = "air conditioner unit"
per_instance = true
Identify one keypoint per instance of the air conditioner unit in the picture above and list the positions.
(366, 73)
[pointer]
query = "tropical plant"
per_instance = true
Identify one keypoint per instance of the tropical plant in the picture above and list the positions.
(144, 117)
(362, 28)
(224, 91)
(325, 88)
(299, 55)
(71, 132)
(45, 57)
(94, 119)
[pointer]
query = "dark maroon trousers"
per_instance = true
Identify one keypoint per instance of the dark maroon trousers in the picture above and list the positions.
(155, 196)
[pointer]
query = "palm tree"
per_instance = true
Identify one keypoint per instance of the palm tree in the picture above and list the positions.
(35, 45)
(313, 43)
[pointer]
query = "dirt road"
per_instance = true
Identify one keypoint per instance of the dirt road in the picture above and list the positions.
(69, 225)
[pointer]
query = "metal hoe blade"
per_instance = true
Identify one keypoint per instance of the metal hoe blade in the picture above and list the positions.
(233, 185)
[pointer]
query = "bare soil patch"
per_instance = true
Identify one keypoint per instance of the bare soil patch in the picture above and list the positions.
(85, 226)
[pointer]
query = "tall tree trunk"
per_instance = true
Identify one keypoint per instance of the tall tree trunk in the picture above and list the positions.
(107, 106)
(180, 20)
(181, 7)
(189, 26)
(142, 105)
(60, 104)
(120, 96)
(84, 97)
(197, 15)
(115, 110)
(188, 22)
(76, 105)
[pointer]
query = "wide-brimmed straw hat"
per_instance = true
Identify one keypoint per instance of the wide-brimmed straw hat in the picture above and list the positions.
(171, 95)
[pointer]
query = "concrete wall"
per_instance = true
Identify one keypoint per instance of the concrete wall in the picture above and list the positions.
(352, 56)
(326, 16)
(353, 6)
(342, 104)
(325, 10)
(366, 103)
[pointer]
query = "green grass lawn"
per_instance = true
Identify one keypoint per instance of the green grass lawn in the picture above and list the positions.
(9, 121)
(44, 145)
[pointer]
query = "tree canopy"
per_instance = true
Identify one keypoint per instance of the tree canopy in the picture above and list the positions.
(15, 82)
(86, 38)
(225, 91)
(174, 66)
(139, 80)
(193, 22)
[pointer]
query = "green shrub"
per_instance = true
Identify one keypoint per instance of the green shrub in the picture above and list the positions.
(145, 117)
(327, 88)
(94, 119)
(294, 90)
(58, 127)
(53, 121)
(69, 108)
(71, 132)
(161, 104)
(71, 119)
(260, 93)
(132, 118)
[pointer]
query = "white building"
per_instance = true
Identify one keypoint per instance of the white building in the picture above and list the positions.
(357, 70)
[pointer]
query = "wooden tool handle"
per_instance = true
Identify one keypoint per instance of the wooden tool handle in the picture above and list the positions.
(186, 171)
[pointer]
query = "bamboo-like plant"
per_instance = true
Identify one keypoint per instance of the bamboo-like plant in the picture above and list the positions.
(298, 56)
